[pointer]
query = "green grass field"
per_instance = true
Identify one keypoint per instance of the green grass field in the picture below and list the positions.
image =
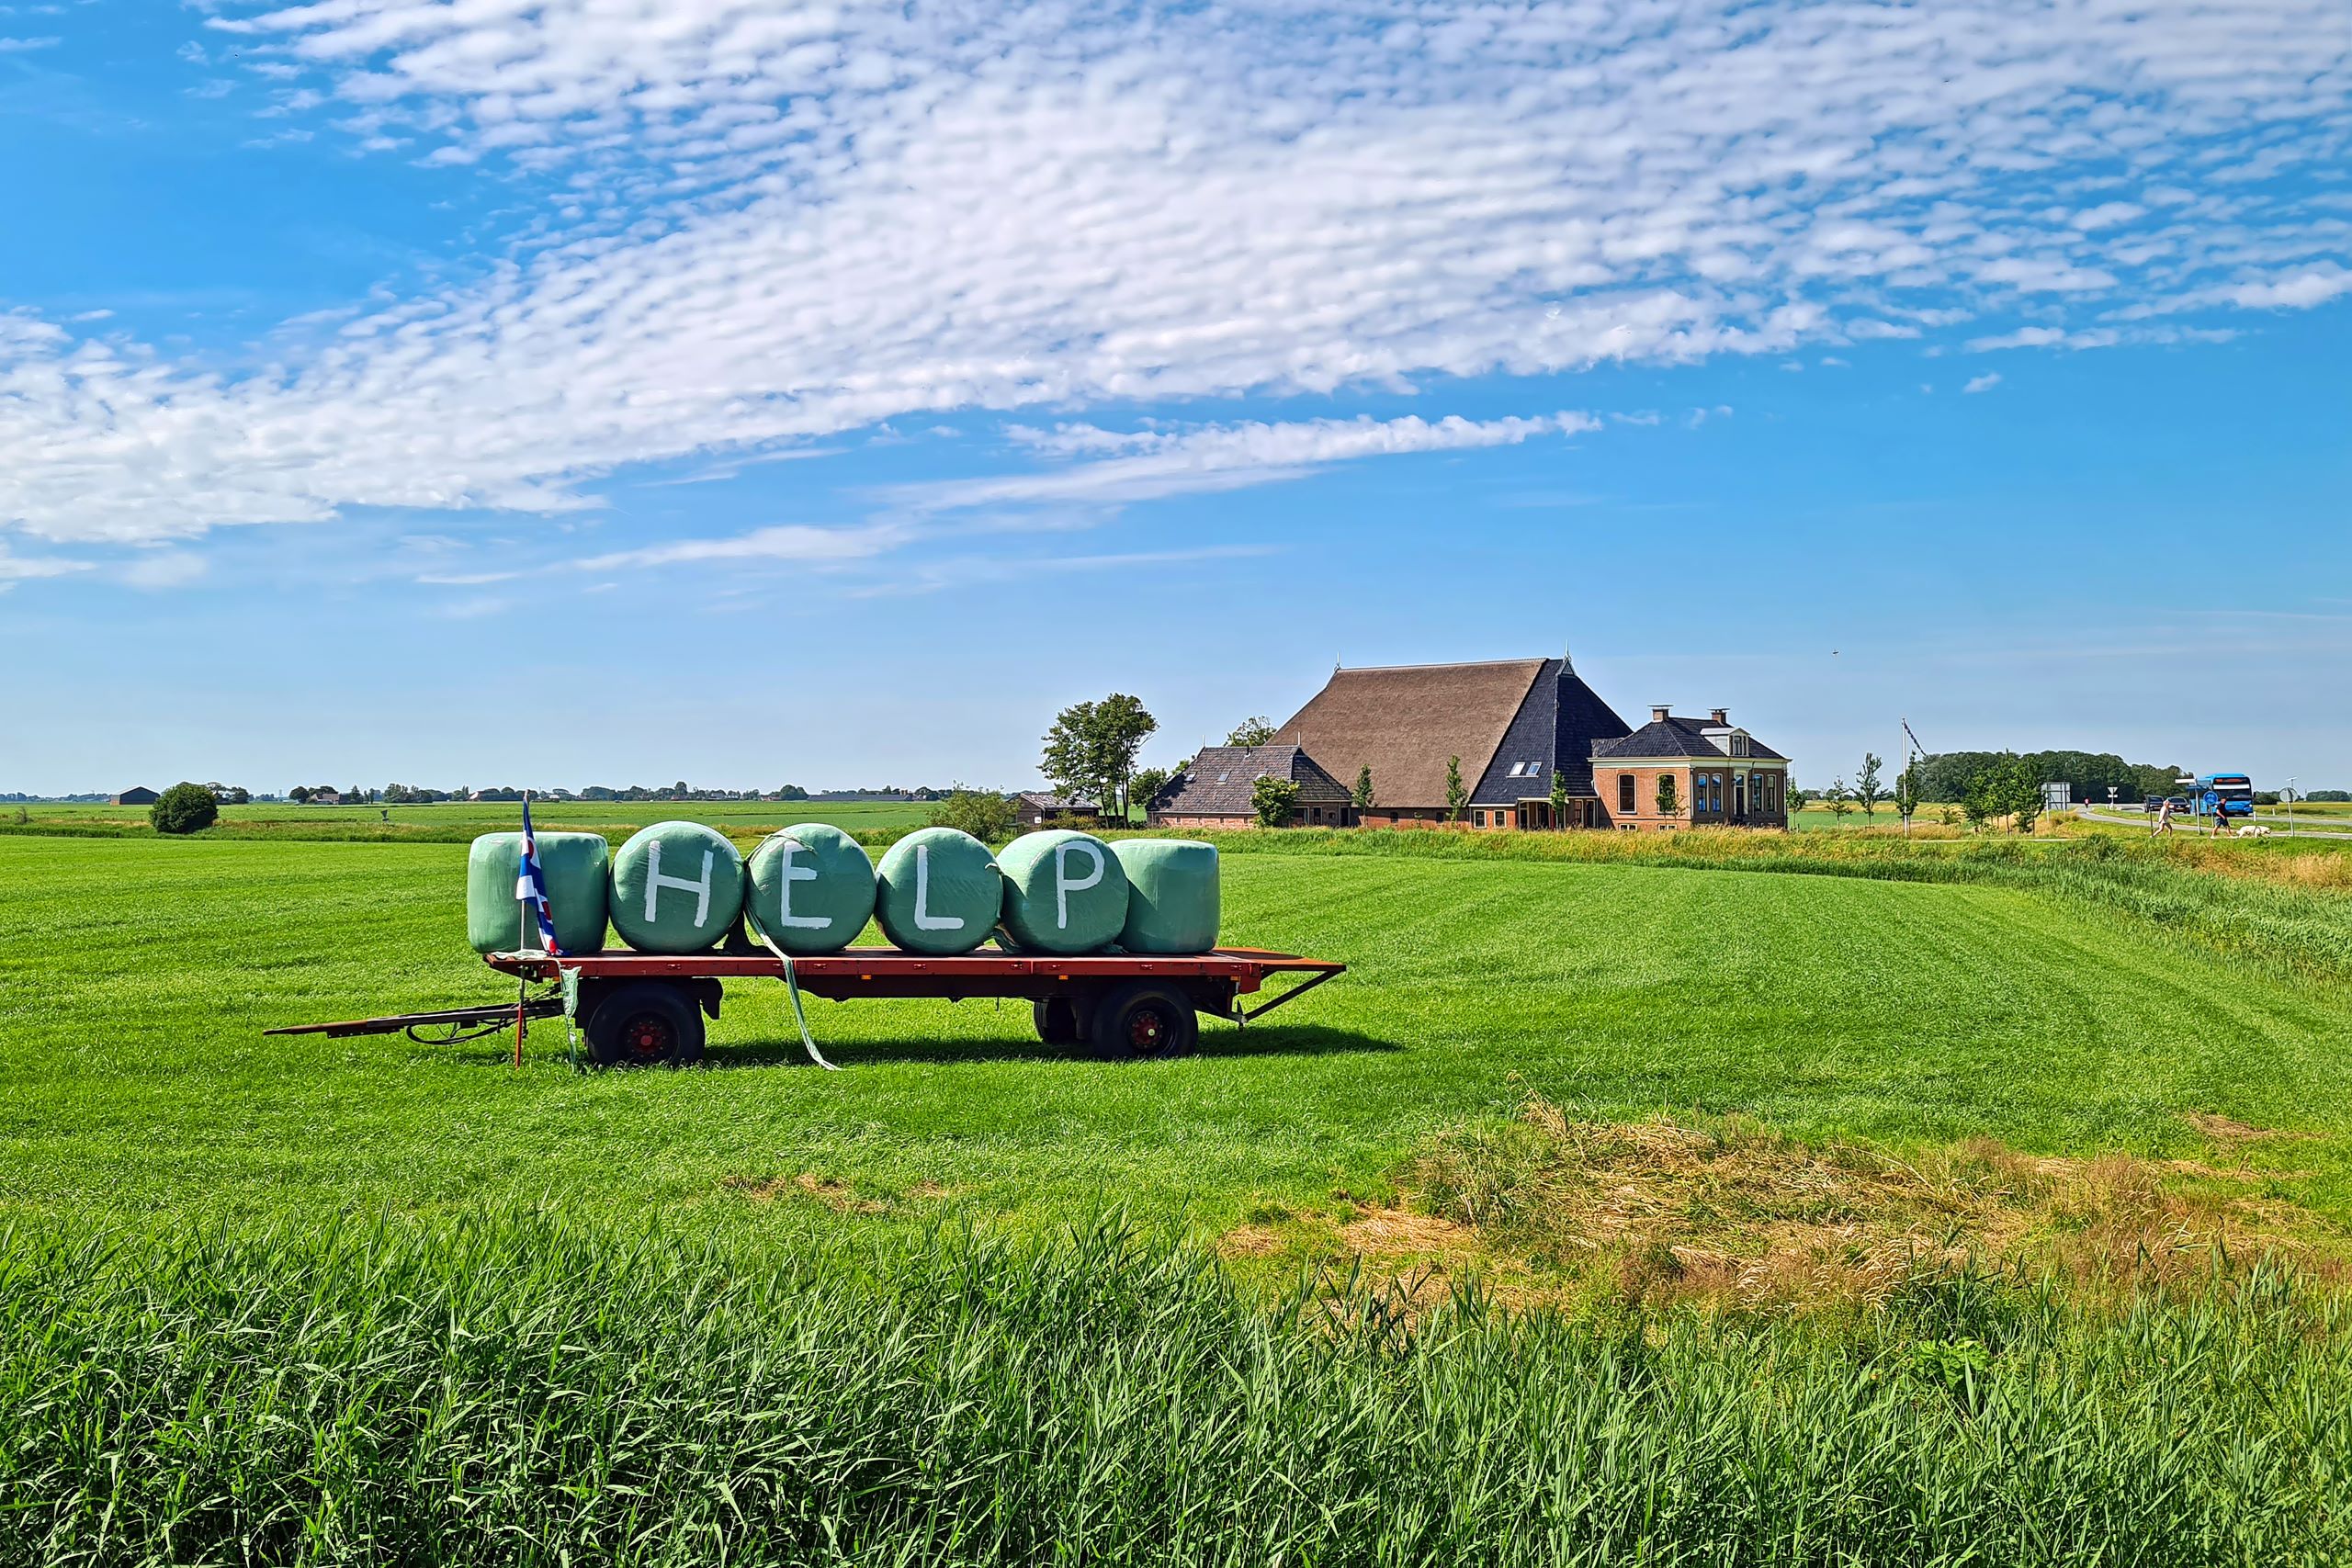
(262, 1243)
(459, 821)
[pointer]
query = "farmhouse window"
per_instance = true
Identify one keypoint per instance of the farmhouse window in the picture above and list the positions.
(1625, 794)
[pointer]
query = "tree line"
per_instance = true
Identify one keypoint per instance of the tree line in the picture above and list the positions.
(1948, 775)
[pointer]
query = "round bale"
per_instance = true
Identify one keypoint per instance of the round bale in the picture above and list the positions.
(575, 867)
(1172, 895)
(811, 888)
(1064, 892)
(677, 888)
(938, 892)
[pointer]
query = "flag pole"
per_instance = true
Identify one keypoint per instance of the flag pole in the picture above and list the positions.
(523, 913)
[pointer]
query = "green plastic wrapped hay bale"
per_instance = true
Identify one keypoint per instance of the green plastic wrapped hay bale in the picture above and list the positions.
(938, 892)
(677, 888)
(1172, 895)
(1064, 892)
(811, 888)
(574, 865)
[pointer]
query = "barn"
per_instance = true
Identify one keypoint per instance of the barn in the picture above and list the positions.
(138, 795)
(1514, 723)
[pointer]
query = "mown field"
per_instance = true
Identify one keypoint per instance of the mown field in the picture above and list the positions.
(1826, 1202)
(459, 821)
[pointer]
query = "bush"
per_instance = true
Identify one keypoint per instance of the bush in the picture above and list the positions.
(1274, 800)
(986, 815)
(184, 809)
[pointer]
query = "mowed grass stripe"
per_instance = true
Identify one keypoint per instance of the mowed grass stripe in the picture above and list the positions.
(135, 978)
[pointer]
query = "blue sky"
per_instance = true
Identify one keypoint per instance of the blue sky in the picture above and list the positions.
(561, 393)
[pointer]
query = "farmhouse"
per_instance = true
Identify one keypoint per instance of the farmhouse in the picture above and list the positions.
(1509, 729)
(138, 795)
(1706, 773)
(1218, 789)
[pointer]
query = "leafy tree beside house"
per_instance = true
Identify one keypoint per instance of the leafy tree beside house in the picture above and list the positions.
(1457, 793)
(1148, 782)
(1275, 800)
(1254, 731)
(1867, 794)
(1362, 795)
(983, 813)
(1559, 799)
(1090, 750)
(184, 809)
(1838, 798)
(1669, 796)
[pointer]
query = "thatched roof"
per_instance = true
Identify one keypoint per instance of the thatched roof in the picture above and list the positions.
(1406, 720)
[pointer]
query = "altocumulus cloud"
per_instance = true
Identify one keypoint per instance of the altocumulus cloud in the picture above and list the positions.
(752, 225)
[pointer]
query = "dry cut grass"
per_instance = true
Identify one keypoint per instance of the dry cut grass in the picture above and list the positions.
(1732, 1214)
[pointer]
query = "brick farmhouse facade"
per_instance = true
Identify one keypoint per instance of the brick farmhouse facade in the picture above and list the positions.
(1512, 731)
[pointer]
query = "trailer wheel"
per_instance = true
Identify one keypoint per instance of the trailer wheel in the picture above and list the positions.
(645, 1025)
(1057, 1021)
(1143, 1020)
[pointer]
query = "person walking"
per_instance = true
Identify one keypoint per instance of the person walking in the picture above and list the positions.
(2164, 819)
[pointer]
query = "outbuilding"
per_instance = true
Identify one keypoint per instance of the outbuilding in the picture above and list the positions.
(1219, 789)
(139, 795)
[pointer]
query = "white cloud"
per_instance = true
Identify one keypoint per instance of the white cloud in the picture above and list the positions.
(739, 226)
(785, 542)
(1217, 458)
(1983, 383)
(17, 568)
(163, 568)
(2298, 292)
(24, 45)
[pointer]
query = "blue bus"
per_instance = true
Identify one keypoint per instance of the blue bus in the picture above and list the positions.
(2223, 795)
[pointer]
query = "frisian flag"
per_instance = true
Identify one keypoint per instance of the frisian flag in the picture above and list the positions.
(531, 886)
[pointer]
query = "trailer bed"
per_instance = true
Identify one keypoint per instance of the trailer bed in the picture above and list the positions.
(647, 1006)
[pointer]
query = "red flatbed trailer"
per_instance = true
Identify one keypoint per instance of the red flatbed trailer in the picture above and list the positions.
(647, 1007)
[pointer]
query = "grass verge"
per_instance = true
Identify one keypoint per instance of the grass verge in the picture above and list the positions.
(518, 1388)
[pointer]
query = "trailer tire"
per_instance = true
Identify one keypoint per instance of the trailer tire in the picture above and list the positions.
(1143, 1020)
(1057, 1021)
(646, 1024)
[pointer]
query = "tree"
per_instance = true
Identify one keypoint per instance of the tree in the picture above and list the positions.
(983, 813)
(1457, 793)
(1274, 800)
(1559, 799)
(1148, 782)
(1254, 731)
(1980, 798)
(299, 795)
(2021, 793)
(1091, 749)
(1669, 795)
(1867, 795)
(184, 809)
(1907, 792)
(1838, 798)
(1362, 792)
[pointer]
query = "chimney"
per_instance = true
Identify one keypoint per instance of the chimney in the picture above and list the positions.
(1721, 715)
(1658, 713)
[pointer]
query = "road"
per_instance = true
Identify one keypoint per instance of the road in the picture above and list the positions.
(2190, 824)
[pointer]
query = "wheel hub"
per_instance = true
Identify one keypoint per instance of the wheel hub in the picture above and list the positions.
(1144, 1031)
(646, 1038)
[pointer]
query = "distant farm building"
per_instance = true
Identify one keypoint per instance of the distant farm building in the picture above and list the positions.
(1518, 727)
(1034, 808)
(137, 796)
(1219, 790)
(331, 797)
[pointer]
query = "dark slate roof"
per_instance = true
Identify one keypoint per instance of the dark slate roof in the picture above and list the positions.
(1219, 781)
(1555, 727)
(1675, 737)
(1044, 801)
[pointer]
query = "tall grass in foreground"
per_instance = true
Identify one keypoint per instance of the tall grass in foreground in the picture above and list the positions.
(519, 1389)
